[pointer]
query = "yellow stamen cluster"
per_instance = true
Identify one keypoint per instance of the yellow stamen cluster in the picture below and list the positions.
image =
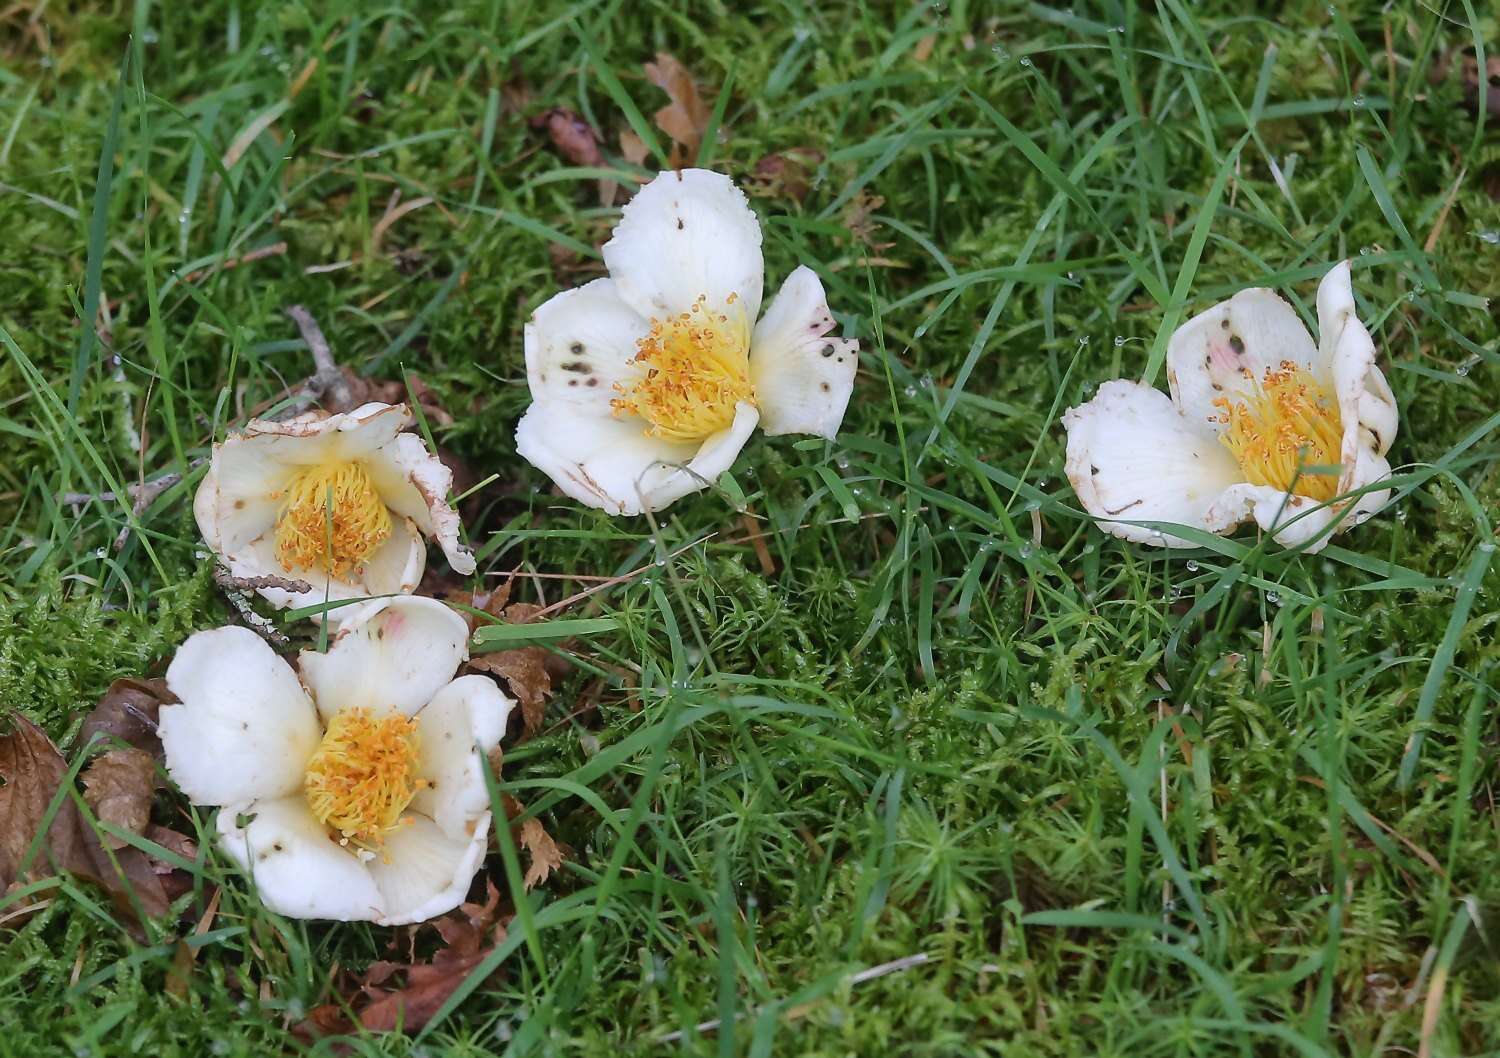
(697, 369)
(363, 775)
(1288, 424)
(331, 519)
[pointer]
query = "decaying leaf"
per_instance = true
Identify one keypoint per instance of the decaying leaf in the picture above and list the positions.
(859, 218)
(525, 670)
(686, 118)
(373, 1003)
(119, 786)
(573, 137)
(127, 712)
(633, 149)
(33, 771)
(787, 174)
(546, 857)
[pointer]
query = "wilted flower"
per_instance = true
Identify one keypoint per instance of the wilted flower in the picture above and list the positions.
(351, 787)
(1262, 423)
(646, 385)
(341, 502)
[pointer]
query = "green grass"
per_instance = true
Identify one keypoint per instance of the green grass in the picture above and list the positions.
(1234, 802)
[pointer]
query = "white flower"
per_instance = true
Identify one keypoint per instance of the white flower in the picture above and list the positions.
(355, 792)
(1262, 423)
(646, 385)
(264, 506)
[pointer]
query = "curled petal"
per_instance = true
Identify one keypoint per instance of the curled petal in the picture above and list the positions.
(414, 482)
(1231, 346)
(392, 653)
(298, 870)
(244, 728)
(424, 872)
(686, 235)
(802, 379)
(612, 464)
(1294, 521)
(463, 720)
(579, 345)
(1366, 404)
(1131, 454)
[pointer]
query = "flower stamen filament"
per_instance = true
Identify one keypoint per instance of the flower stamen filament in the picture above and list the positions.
(697, 371)
(1288, 423)
(332, 519)
(363, 775)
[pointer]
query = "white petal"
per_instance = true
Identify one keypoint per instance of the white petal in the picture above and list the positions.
(613, 465)
(394, 567)
(1292, 520)
(423, 872)
(1221, 350)
(299, 871)
(415, 482)
(686, 235)
(579, 345)
(245, 729)
(1366, 405)
(470, 712)
(1132, 454)
(802, 379)
(390, 654)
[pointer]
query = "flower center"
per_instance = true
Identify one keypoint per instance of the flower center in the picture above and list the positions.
(363, 775)
(1287, 425)
(697, 369)
(331, 519)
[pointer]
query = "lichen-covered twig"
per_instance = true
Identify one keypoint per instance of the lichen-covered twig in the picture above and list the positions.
(234, 589)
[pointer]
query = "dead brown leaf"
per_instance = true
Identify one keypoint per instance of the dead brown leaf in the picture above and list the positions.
(120, 786)
(859, 218)
(469, 935)
(33, 771)
(127, 711)
(546, 857)
(573, 137)
(527, 671)
(686, 118)
(786, 174)
(633, 149)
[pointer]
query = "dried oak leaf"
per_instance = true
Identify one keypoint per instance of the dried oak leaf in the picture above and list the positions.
(119, 786)
(32, 770)
(633, 149)
(128, 712)
(786, 174)
(573, 137)
(469, 935)
(527, 671)
(686, 118)
(546, 857)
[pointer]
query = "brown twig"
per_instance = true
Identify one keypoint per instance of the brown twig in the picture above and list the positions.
(141, 494)
(234, 590)
(328, 378)
(276, 249)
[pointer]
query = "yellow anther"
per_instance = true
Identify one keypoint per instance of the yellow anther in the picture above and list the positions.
(1288, 424)
(308, 536)
(363, 775)
(697, 370)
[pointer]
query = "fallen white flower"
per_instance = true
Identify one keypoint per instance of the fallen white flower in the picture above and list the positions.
(340, 502)
(355, 793)
(1262, 423)
(646, 385)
